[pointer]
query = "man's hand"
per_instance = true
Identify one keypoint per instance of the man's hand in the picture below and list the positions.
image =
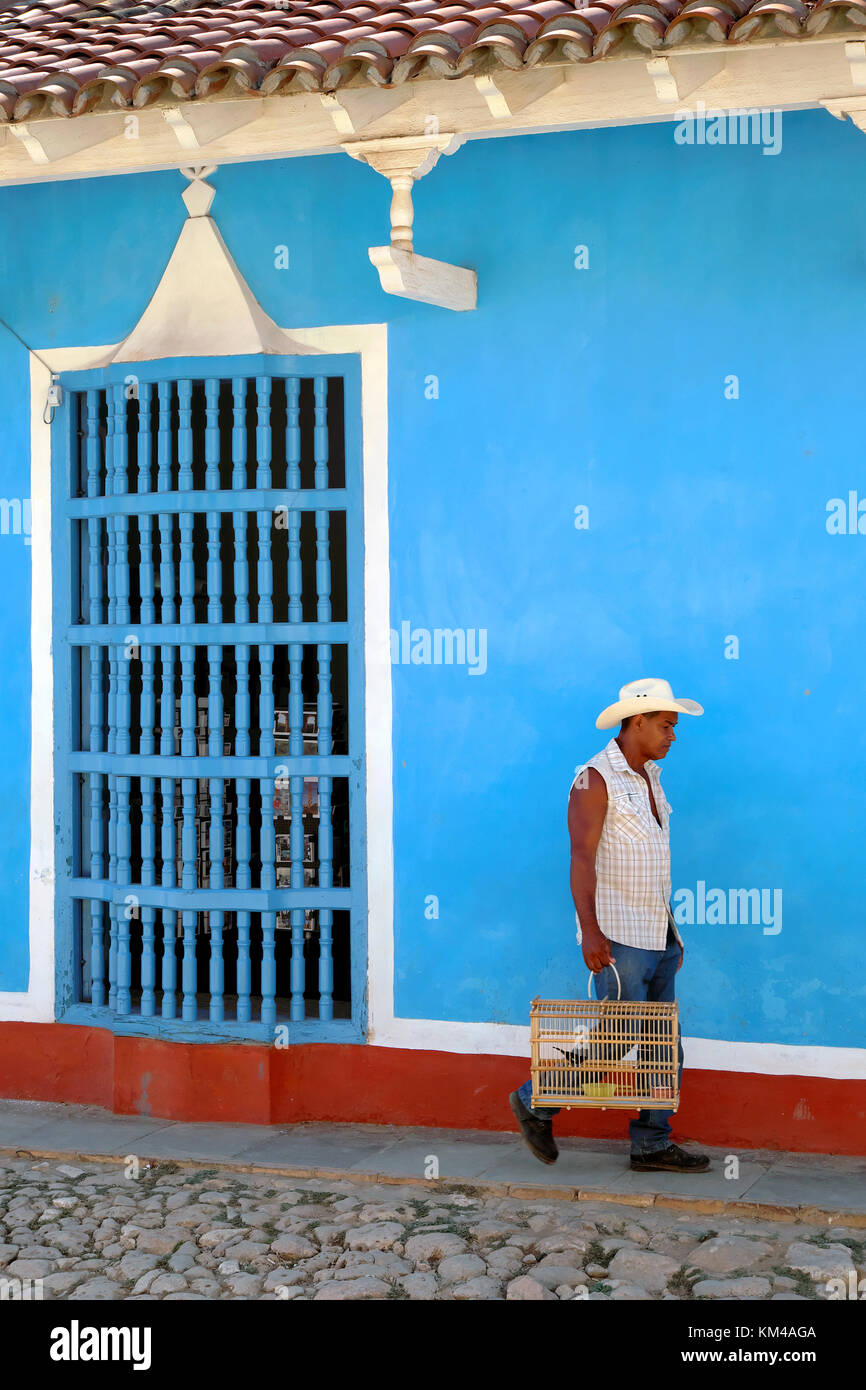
(682, 953)
(596, 951)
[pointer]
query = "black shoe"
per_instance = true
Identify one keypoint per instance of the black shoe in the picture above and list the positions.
(537, 1133)
(670, 1160)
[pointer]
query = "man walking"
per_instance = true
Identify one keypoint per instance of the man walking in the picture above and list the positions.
(618, 820)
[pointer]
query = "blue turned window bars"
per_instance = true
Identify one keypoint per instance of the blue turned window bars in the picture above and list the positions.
(214, 759)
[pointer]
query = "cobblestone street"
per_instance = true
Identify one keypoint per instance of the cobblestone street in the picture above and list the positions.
(90, 1231)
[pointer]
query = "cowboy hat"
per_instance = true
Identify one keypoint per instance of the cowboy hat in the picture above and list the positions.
(645, 697)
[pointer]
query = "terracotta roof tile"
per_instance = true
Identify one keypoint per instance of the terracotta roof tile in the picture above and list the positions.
(67, 58)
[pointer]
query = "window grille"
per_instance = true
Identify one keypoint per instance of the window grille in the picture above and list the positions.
(209, 591)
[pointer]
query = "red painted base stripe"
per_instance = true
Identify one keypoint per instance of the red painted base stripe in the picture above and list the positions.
(251, 1083)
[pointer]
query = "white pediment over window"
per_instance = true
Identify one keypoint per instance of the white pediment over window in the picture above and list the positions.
(202, 306)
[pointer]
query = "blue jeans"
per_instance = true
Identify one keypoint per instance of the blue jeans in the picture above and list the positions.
(643, 975)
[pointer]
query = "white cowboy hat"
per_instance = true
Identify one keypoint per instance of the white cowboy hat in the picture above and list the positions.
(645, 697)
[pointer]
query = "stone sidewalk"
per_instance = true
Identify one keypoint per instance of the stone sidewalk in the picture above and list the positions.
(95, 1231)
(819, 1189)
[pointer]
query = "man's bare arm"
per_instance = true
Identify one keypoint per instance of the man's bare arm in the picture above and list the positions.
(587, 808)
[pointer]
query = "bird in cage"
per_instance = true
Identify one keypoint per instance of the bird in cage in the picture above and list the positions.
(577, 1041)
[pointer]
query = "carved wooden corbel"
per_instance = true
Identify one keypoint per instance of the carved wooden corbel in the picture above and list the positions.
(402, 160)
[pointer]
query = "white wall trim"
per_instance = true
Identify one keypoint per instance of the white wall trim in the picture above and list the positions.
(701, 1054)
(36, 1003)
(776, 1059)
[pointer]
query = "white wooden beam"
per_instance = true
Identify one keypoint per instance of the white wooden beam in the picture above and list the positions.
(675, 79)
(663, 79)
(855, 54)
(34, 148)
(47, 141)
(186, 136)
(338, 114)
(198, 126)
(417, 277)
(505, 95)
(353, 110)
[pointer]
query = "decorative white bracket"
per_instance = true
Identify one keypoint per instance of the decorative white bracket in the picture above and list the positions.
(199, 196)
(842, 107)
(676, 78)
(47, 141)
(195, 128)
(402, 160)
(507, 95)
(856, 54)
(663, 79)
(34, 147)
(353, 110)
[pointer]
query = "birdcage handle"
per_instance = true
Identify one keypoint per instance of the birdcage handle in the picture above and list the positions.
(618, 985)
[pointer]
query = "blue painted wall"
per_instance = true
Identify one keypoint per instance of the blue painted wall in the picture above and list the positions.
(603, 387)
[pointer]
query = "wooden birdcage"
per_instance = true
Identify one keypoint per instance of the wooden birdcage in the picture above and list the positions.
(604, 1054)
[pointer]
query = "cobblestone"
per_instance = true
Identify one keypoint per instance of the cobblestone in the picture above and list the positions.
(87, 1232)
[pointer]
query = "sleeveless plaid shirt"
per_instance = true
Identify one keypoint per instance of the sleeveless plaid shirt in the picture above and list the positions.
(633, 859)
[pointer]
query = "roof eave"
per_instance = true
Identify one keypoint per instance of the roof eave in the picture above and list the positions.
(634, 85)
